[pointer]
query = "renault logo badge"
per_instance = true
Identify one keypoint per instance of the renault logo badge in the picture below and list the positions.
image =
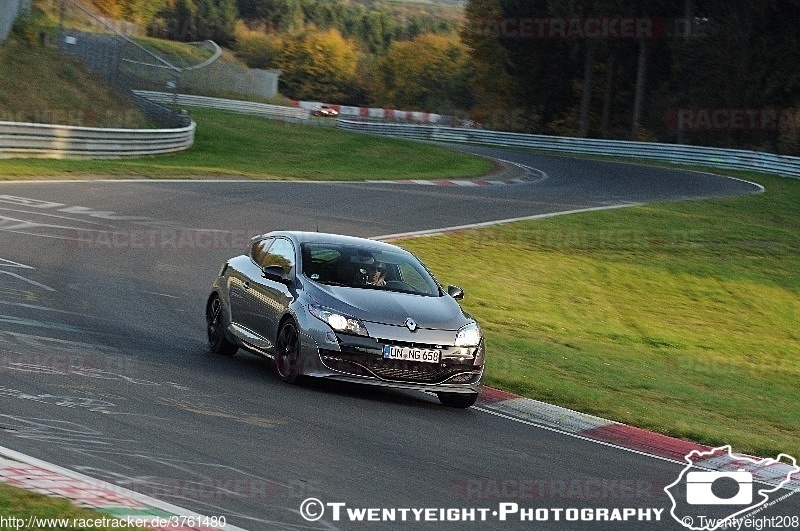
(411, 324)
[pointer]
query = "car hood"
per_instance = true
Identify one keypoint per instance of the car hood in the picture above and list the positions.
(389, 307)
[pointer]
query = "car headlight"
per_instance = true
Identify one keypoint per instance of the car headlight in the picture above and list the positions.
(469, 335)
(338, 321)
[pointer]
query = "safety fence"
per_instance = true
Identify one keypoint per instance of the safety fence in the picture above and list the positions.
(673, 153)
(62, 141)
(264, 110)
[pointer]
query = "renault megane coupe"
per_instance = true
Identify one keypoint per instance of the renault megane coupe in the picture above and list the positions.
(348, 309)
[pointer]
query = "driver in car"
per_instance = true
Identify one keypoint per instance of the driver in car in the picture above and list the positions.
(376, 275)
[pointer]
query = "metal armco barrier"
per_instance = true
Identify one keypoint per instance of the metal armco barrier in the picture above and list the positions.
(62, 141)
(737, 159)
(238, 106)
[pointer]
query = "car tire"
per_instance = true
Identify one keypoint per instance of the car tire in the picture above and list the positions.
(287, 353)
(217, 342)
(457, 400)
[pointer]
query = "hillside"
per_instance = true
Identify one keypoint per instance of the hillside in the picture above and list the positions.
(449, 3)
(42, 85)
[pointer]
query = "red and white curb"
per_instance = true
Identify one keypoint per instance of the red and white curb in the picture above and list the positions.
(23, 471)
(373, 112)
(603, 431)
(527, 175)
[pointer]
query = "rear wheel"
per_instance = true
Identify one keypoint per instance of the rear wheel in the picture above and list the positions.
(217, 342)
(458, 400)
(287, 356)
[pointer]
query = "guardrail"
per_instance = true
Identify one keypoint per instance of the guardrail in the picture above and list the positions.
(238, 106)
(59, 141)
(675, 153)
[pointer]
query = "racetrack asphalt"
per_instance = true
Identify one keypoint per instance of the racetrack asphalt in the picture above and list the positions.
(106, 371)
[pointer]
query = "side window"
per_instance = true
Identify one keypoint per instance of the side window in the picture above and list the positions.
(281, 253)
(411, 276)
(259, 250)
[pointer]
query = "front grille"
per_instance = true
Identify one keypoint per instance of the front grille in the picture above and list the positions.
(360, 364)
(410, 370)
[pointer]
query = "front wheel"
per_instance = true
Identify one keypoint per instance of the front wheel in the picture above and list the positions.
(287, 356)
(458, 400)
(217, 342)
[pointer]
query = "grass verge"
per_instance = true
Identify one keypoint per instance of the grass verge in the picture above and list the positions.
(232, 145)
(675, 317)
(23, 505)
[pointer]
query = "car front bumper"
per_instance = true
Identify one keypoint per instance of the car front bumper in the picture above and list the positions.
(361, 360)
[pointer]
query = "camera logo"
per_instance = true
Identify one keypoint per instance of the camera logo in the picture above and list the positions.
(719, 488)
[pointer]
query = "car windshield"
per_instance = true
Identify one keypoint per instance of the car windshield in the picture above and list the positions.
(367, 268)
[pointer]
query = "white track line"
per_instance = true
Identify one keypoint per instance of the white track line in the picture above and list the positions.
(436, 232)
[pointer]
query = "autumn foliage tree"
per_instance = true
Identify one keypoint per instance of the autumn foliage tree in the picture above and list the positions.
(318, 65)
(258, 49)
(141, 12)
(430, 72)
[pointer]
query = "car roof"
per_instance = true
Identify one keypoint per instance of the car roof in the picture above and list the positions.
(322, 237)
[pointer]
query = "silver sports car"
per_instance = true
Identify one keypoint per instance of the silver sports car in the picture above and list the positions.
(347, 309)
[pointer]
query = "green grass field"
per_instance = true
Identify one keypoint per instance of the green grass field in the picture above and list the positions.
(676, 317)
(233, 145)
(21, 504)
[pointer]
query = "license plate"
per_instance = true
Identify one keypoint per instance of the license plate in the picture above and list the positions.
(411, 354)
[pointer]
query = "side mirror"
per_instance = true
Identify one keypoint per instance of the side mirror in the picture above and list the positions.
(275, 273)
(455, 292)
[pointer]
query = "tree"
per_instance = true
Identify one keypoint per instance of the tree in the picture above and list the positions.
(544, 79)
(492, 80)
(429, 73)
(225, 23)
(141, 12)
(318, 65)
(184, 14)
(258, 49)
(741, 56)
(196, 20)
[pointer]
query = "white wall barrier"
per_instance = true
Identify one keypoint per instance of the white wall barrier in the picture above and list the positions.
(265, 110)
(63, 141)
(738, 159)
(9, 12)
